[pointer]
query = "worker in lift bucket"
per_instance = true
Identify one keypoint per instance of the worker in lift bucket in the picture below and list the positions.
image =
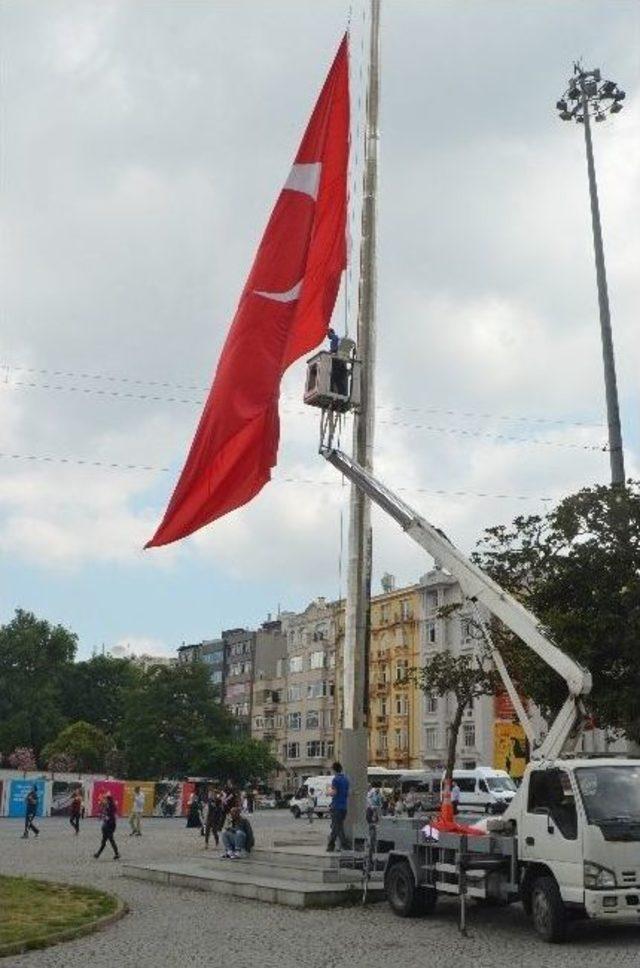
(339, 369)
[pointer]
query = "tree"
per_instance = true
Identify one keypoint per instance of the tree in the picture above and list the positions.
(61, 763)
(466, 677)
(85, 744)
(95, 689)
(241, 760)
(34, 657)
(22, 758)
(168, 714)
(577, 568)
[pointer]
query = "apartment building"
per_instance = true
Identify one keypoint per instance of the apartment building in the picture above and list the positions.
(455, 632)
(212, 653)
(238, 694)
(306, 691)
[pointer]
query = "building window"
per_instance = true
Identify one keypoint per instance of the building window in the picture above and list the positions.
(401, 739)
(468, 734)
(294, 720)
(269, 722)
(328, 718)
(315, 749)
(316, 660)
(383, 740)
(319, 689)
(294, 693)
(431, 633)
(406, 611)
(296, 663)
(292, 751)
(402, 667)
(330, 749)
(431, 704)
(312, 720)
(384, 613)
(319, 634)
(402, 706)
(332, 660)
(383, 707)
(431, 738)
(216, 676)
(258, 722)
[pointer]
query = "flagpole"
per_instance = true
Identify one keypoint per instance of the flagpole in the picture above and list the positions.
(357, 611)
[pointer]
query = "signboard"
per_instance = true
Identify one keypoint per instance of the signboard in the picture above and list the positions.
(61, 794)
(100, 788)
(129, 792)
(18, 792)
(167, 801)
(509, 748)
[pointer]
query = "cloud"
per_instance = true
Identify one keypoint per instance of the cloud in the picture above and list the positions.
(132, 645)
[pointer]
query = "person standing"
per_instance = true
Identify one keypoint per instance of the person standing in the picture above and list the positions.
(338, 809)
(108, 814)
(31, 809)
(310, 804)
(76, 811)
(214, 817)
(455, 797)
(137, 810)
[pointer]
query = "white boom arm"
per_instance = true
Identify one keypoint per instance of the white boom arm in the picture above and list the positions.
(479, 587)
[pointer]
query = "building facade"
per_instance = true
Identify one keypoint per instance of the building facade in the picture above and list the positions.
(240, 656)
(455, 632)
(306, 686)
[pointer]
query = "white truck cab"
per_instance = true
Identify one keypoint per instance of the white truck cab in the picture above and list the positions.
(578, 828)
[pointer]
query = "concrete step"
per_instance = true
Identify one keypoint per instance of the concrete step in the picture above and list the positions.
(263, 868)
(302, 856)
(232, 880)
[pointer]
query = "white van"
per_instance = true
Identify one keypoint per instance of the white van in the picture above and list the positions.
(485, 789)
(320, 786)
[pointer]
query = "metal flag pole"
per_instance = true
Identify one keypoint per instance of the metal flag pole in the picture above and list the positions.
(357, 612)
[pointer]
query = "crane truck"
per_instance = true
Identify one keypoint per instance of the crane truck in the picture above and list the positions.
(568, 844)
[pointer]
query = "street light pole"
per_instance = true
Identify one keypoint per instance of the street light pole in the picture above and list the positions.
(595, 98)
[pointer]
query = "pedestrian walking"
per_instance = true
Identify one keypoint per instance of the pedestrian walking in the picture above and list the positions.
(137, 810)
(108, 815)
(30, 810)
(311, 803)
(214, 817)
(338, 809)
(76, 811)
(455, 797)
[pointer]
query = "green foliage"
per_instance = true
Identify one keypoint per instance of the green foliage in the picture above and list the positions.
(34, 657)
(241, 760)
(95, 689)
(168, 714)
(577, 569)
(466, 677)
(85, 744)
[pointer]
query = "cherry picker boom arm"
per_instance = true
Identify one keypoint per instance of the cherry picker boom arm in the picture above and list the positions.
(479, 587)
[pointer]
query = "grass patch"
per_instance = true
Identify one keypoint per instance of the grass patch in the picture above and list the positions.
(35, 913)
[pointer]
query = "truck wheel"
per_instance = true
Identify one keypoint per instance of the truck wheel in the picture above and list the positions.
(296, 812)
(405, 899)
(547, 910)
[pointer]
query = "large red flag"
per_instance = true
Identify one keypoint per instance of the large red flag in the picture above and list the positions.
(283, 312)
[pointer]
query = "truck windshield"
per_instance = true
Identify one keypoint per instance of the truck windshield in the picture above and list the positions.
(501, 784)
(610, 794)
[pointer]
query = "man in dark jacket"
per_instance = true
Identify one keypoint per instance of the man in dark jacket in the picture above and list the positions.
(30, 810)
(109, 814)
(238, 836)
(214, 816)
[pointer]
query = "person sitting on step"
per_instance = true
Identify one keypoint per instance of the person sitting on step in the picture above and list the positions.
(237, 836)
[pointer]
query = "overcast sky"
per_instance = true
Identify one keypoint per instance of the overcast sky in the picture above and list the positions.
(144, 144)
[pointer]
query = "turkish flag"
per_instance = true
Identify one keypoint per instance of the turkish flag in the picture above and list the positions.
(284, 312)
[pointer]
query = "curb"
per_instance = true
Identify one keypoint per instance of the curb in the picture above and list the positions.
(70, 934)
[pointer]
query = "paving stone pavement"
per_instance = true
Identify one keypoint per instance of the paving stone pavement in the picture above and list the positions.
(168, 928)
